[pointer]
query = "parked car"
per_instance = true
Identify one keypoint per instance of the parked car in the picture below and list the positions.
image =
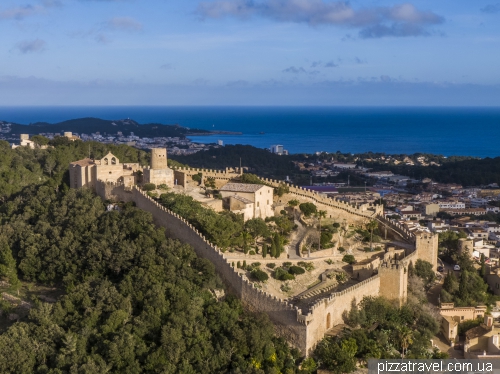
(456, 267)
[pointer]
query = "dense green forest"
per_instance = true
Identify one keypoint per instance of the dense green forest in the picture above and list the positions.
(131, 300)
(22, 167)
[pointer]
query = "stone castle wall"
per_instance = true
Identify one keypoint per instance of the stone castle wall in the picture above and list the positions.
(302, 331)
(283, 314)
(115, 191)
(184, 175)
(329, 311)
(335, 208)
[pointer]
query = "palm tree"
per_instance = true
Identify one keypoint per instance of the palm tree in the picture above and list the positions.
(372, 225)
(320, 214)
(406, 337)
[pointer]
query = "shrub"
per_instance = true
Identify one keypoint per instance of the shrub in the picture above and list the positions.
(255, 264)
(238, 265)
(252, 252)
(341, 249)
(329, 261)
(467, 325)
(282, 274)
(149, 187)
(306, 265)
(296, 270)
(271, 265)
(260, 275)
(279, 273)
(326, 238)
(308, 208)
(162, 186)
(287, 264)
(341, 277)
(349, 259)
(285, 287)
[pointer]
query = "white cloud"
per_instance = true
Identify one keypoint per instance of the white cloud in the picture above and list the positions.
(399, 20)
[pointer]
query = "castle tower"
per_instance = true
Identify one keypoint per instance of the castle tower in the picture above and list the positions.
(427, 247)
(158, 158)
(394, 281)
(465, 246)
(159, 173)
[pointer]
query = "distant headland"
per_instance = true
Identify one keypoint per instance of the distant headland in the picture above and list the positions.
(124, 127)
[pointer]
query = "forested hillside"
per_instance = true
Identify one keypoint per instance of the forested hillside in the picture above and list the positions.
(260, 161)
(91, 125)
(22, 167)
(131, 300)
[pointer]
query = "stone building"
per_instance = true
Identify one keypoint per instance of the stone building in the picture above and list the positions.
(251, 200)
(453, 316)
(159, 172)
(483, 341)
(109, 169)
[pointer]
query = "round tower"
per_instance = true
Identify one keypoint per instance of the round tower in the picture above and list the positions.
(158, 158)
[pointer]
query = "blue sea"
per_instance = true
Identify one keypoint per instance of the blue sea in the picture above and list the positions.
(445, 131)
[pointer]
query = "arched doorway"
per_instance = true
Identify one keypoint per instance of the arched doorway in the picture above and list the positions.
(328, 321)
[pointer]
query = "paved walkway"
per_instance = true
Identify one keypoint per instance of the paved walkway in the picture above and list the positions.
(294, 246)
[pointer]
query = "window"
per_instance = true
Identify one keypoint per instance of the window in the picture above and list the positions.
(462, 318)
(258, 204)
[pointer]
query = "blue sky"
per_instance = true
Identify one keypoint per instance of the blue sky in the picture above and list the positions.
(249, 52)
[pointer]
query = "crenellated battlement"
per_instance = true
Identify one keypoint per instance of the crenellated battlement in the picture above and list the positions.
(301, 329)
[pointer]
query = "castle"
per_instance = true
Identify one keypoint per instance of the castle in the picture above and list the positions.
(88, 172)
(303, 323)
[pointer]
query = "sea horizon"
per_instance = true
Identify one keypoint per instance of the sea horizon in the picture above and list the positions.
(461, 131)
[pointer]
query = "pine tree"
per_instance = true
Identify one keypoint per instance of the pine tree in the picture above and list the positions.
(238, 265)
(450, 283)
(244, 264)
(482, 271)
(273, 249)
(264, 251)
(277, 244)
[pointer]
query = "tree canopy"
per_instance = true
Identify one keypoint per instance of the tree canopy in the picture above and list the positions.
(131, 300)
